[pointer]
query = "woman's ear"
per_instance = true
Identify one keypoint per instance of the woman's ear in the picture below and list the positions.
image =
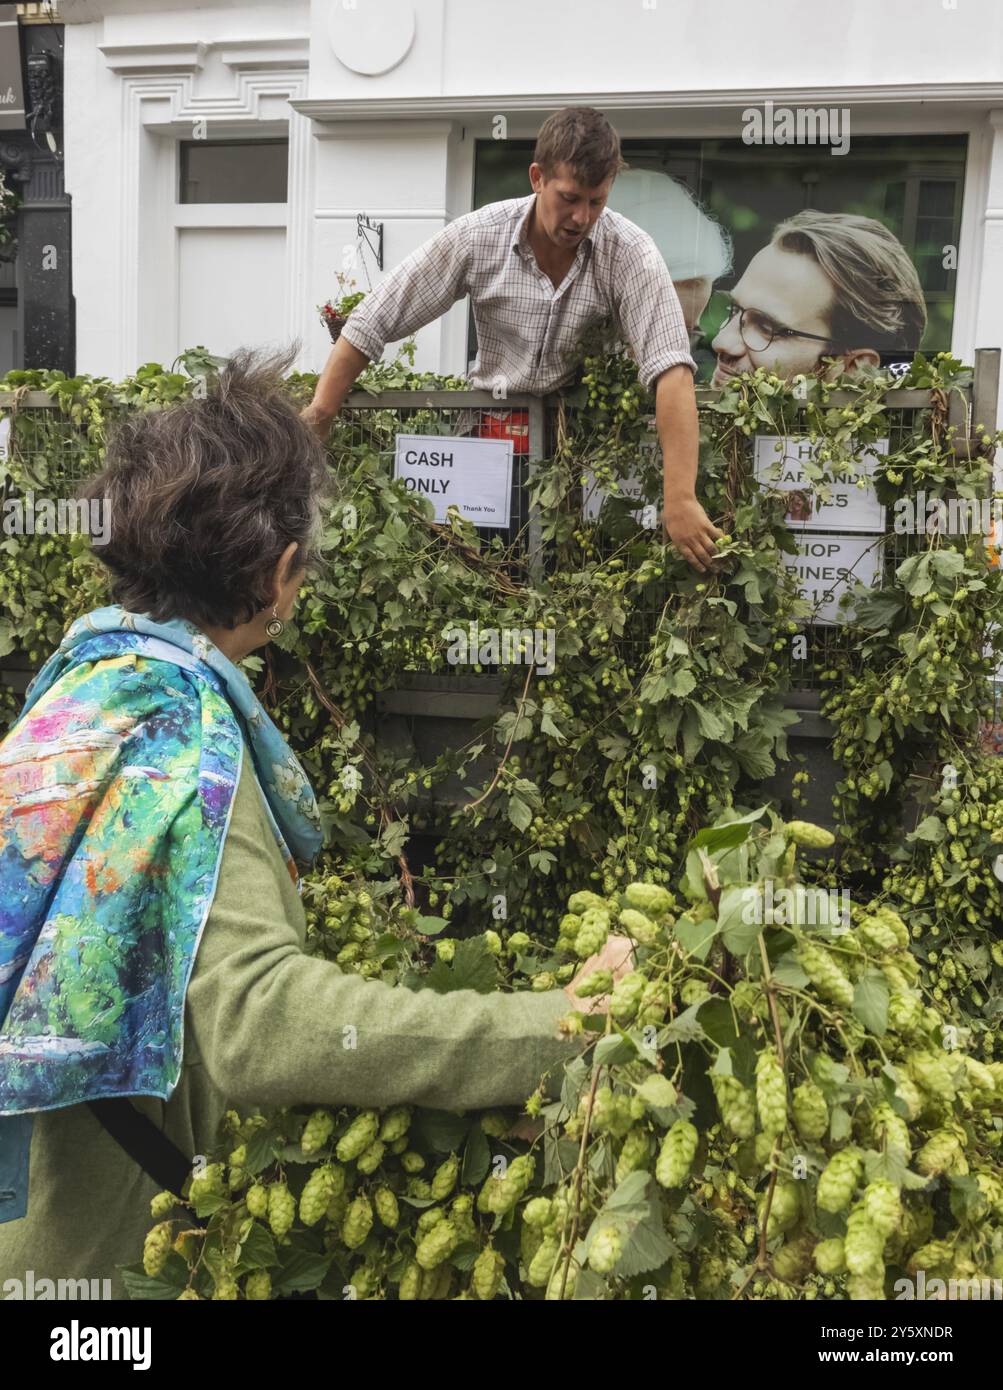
(284, 571)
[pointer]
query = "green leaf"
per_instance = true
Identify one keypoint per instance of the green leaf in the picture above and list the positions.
(947, 562)
(615, 1047)
(695, 937)
(300, 1270)
(387, 946)
(258, 1248)
(727, 835)
(519, 813)
(261, 1150)
(891, 1164)
(914, 574)
(931, 828)
(162, 1287)
(639, 1220)
(686, 1027)
(840, 1125)
(788, 972)
(209, 1204)
(430, 926)
(711, 725)
(717, 1021)
(629, 1195)
(476, 1158)
(738, 935)
(870, 1002)
(440, 1130)
(967, 1200)
(472, 967)
(683, 682)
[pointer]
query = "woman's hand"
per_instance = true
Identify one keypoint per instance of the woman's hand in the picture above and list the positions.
(617, 956)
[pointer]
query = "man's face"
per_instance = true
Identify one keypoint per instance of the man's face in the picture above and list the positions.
(566, 210)
(785, 290)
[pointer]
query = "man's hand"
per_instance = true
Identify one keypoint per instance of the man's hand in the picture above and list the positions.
(686, 523)
(691, 531)
(319, 421)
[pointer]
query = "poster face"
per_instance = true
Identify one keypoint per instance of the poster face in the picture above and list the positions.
(826, 566)
(779, 464)
(806, 252)
(474, 475)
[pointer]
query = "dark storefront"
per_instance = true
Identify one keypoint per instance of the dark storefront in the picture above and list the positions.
(36, 297)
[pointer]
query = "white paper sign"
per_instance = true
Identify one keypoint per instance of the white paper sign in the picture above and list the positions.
(849, 508)
(594, 496)
(474, 475)
(826, 566)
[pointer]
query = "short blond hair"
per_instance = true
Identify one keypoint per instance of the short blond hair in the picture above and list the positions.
(878, 298)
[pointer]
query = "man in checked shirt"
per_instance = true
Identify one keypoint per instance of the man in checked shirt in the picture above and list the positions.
(540, 271)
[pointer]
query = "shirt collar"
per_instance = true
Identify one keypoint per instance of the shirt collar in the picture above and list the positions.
(520, 242)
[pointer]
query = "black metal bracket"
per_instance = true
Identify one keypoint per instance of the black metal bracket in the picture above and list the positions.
(363, 227)
(44, 89)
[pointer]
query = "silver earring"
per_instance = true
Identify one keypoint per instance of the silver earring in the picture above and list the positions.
(275, 626)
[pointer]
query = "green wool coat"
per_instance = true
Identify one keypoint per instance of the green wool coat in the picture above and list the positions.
(264, 1026)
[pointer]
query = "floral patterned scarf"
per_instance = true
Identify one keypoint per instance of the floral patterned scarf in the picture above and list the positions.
(116, 788)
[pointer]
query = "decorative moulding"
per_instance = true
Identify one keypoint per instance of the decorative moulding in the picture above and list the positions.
(241, 55)
(253, 94)
(374, 107)
(290, 52)
(371, 37)
(128, 59)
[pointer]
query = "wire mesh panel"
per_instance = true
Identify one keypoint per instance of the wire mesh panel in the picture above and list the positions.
(368, 425)
(47, 451)
(613, 517)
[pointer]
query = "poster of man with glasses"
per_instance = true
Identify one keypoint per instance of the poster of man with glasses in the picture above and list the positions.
(829, 293)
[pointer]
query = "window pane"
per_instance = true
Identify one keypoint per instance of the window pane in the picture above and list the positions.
(911, 184)
(234, 171)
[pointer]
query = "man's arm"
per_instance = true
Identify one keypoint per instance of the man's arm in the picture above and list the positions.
(685, 521)
(343, 365)
(651, 319)
(414, 294)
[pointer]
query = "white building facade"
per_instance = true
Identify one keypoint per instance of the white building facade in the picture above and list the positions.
(218, 155)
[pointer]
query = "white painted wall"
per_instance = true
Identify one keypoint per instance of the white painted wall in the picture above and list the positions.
(389, 127)
(230, 286)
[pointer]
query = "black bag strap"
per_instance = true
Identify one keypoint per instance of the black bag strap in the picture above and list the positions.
(145, 1144)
